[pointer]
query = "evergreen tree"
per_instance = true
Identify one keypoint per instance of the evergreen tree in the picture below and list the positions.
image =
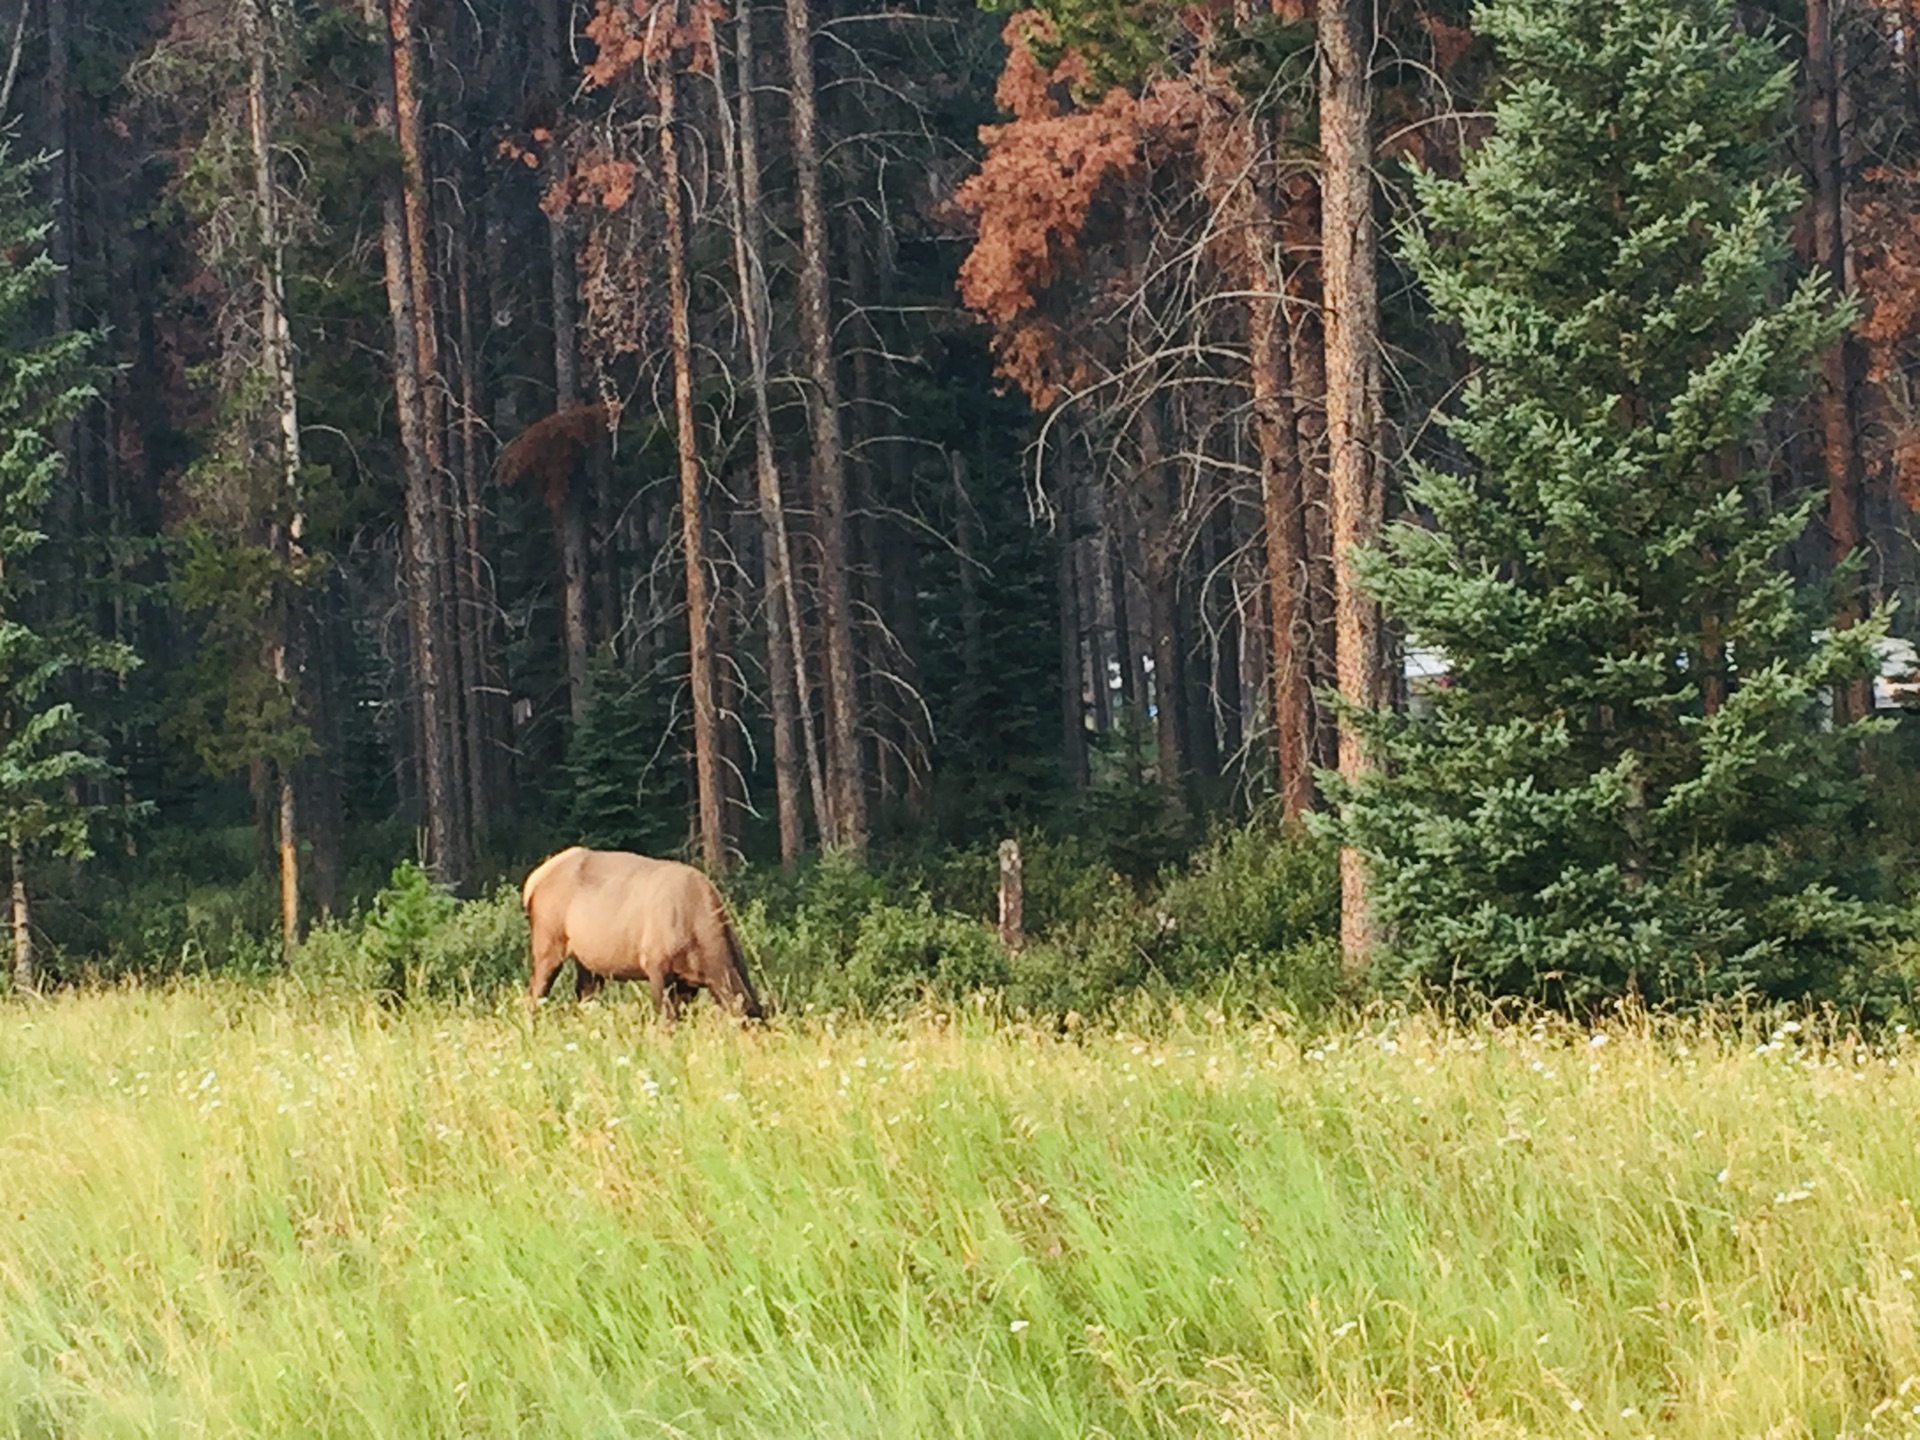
(48, 754)
(625, 759)
(1627, 781)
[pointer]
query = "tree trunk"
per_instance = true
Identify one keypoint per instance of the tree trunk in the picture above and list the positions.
(474, 617)
(1281, 495)
(713, 840)
(563, 293)
(25, 981)
(1073, 710)
(871, 636)
(1156, 514)
(1353, 405)
(1106, 650)
(1835, 397)
(60, 229)
(729, 722)
(564, 307)
(503, 308)
(972, 609)
(444, 852)
(786, 647)
(442, 538)
(570, 529)
(1300, 241)
(1013, 936)
(844, 771)
(288, 524)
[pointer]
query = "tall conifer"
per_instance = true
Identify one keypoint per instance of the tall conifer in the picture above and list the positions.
(48, 753)
(1628, 780)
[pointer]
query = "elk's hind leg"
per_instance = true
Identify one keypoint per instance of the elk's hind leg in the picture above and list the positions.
(549, 954)
(666, 997)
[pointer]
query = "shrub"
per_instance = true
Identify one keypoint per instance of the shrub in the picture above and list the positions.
(1256, 901)
(418, 941)
(902, 950)
(164, 927)
(332, 958)
(1257, 908)
(405, 913)
(479, 950)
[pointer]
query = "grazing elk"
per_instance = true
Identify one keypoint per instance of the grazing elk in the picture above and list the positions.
(627, 917)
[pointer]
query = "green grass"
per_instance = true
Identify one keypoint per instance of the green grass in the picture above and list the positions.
(238, 1212)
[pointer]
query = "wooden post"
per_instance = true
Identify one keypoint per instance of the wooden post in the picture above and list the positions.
(1011, 897)
(24, 980)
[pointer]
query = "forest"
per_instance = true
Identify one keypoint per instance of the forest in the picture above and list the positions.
(1362, 490)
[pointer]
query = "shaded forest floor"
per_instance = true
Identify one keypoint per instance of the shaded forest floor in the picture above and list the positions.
(253, 1210)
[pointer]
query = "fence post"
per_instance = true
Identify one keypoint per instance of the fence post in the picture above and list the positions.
(1011, 898)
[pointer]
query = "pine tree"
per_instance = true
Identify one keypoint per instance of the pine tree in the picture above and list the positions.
(49, 755)
(1628, 781)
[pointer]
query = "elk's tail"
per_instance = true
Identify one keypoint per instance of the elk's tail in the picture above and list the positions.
(749, 1002)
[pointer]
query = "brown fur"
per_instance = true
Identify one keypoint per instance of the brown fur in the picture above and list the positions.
(627, 917)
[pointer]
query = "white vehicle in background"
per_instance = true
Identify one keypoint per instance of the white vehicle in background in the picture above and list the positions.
(1896, 684)
(1426, 669)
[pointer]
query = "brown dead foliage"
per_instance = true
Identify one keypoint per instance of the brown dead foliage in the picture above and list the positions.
(1044, 172)
(547, 450)
(632, 34)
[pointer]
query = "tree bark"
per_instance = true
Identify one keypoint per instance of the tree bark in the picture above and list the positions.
(713, 841)
(564, 308)
(442, 538)
(563, 293)
(60, 165)
(445, 856)
(1013, 933)
(1156, 514)
(25, 980)
(786, 646)
(65, 508)
(1107, 651)
(1835, 398)
(1300, 241)
(474, 617)
(1073, 714)
(1281, 493)
(1353, 405)
(288, 523)
(972, 609)
(844, 770)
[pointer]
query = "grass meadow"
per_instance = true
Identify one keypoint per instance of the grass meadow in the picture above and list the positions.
(235, 1211)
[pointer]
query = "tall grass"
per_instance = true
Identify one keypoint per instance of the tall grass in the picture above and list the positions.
(237, 1212)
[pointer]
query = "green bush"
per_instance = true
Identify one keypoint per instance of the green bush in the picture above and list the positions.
(111, 929)
(1257, 911)
(478, 950)
(903, 950)
(1256, 902)
(404, 915)
(332, 958)
(1254, 910)
(418, 941)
